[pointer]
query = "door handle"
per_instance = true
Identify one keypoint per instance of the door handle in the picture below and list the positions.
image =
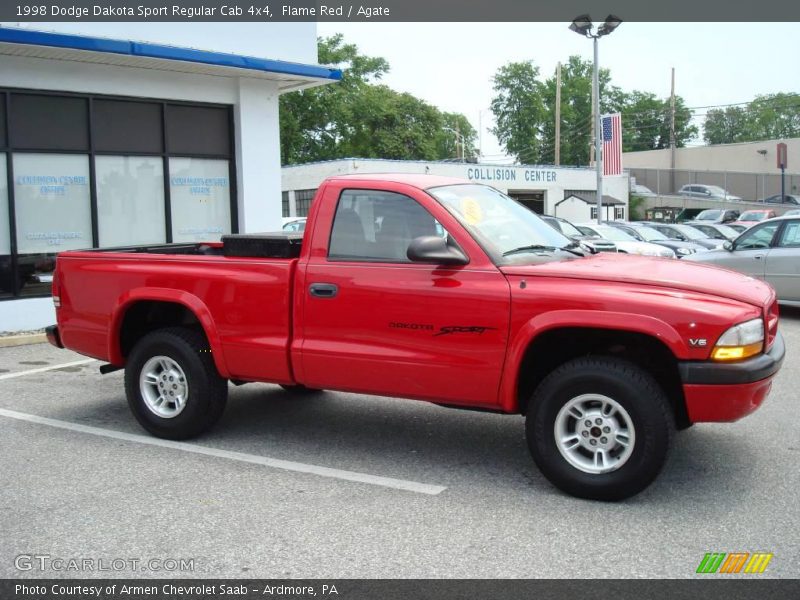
(758, 256)
(323, 290)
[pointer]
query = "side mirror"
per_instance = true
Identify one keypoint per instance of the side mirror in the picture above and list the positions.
(433, 249)
(728, 246)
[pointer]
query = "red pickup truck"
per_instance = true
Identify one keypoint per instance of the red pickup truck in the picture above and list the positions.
(440, 290)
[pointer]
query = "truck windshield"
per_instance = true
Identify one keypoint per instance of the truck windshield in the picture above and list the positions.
(501, 225)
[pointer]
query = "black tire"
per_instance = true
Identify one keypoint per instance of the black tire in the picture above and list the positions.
(207, 391)
(636, 392)
(300, 390)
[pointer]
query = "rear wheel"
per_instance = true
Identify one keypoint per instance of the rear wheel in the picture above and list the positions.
(172, 384)
(599, 428)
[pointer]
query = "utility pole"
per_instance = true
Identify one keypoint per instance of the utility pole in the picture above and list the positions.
(558, 114)
(460, 137)
(672, 134)
(594, 126)
(598, 157)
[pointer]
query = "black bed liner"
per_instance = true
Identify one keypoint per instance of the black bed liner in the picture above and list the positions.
(254, 245)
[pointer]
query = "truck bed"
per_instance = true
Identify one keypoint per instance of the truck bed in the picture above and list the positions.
(242, 302)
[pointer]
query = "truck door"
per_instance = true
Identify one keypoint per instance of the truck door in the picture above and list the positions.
(375, 322)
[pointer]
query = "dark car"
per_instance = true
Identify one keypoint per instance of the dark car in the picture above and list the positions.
(575, 234)
(647, 234)
(685, 233)
(787, 199)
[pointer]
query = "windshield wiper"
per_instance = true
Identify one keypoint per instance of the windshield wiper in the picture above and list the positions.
(541, 247)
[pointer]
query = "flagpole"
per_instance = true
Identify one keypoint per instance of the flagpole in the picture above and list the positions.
(598, 128)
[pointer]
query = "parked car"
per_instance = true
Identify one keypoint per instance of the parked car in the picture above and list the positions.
(641, 190)
(625, 242)
(643, 233)
(595, 242)
(737, 226)
(605, 354)
(709, 192)
(750, 217)
(716, 215)
(795, 212)
(294, 224)
(787, 199)
(685, 233)
(769, 250)
(716, 231)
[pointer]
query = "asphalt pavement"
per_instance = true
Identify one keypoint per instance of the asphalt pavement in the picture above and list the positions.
(340, 485)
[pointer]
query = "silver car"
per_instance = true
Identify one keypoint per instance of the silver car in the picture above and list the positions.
(769, 250)
(709, 192)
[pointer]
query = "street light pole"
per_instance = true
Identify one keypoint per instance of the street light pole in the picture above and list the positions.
(583, 25)
(598, 133)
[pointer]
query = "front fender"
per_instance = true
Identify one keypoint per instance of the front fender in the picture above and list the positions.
(593, 319)
(190, 301)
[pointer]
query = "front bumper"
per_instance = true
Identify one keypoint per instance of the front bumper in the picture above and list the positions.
(724, 392)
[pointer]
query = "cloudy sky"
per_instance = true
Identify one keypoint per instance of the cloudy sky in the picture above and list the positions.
(450, 65)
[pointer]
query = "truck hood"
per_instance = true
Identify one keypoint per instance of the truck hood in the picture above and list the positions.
(664, 273)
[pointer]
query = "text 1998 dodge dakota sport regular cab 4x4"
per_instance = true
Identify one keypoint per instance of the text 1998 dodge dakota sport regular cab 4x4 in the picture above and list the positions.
(440, 290)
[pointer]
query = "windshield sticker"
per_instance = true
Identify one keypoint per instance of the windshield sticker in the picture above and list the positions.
(473, 214)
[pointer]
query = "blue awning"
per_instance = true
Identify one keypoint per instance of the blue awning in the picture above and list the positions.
(148, 55)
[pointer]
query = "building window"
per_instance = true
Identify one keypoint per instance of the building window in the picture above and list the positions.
(6, 274)
(378, 226)
(302, 201)
(130, 200)
(593, 216)
(285, 204)
(83, 171)
(53, 214)
(200, 197)
(619, 213)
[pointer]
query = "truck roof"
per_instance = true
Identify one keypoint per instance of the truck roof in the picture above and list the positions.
(417, 180)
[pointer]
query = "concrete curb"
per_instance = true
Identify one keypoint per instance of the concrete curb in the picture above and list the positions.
(22, 340)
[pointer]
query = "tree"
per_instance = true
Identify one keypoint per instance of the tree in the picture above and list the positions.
(360, 117)
(449, 145)
(646, 122)
(576, 110)
(767, 117)
(314, 122)
(519, 110)
(525, 109)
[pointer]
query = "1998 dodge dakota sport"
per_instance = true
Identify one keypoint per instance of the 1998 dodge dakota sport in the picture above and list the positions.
(440, 290)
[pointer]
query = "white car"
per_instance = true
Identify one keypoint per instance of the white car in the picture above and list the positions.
(624, 242)
(638, 189)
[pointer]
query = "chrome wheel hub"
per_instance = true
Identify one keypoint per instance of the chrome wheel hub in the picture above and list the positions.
(163, 385)
(594, 433)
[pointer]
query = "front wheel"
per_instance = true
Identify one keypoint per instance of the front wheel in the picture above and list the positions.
(599, 428)
(172, 385)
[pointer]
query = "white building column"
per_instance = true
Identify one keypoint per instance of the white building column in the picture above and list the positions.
(258, 156)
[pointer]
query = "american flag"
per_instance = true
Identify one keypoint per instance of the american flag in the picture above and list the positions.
(612, 144)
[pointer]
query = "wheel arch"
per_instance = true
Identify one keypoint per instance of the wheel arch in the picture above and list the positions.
(551, 339)
(142, 310)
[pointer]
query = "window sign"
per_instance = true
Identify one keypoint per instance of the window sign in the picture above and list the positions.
(200, 199)
(51, 194)
(130, 200)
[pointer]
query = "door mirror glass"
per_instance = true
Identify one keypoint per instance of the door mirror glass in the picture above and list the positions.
(728, 246)
(433, 249)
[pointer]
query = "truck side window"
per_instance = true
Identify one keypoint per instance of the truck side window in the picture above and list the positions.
(378, 226)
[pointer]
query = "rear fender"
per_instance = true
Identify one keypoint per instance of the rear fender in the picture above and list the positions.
(190, 301)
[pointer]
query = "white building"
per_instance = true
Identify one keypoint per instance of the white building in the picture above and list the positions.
(540, 188)
(106, 141)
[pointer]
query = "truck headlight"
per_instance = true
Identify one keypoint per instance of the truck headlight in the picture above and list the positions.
(740, 341)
